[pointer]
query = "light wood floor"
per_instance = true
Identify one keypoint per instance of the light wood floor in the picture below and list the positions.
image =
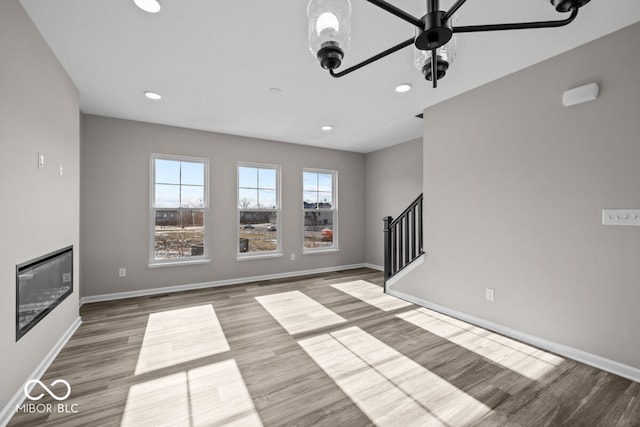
(327, 350)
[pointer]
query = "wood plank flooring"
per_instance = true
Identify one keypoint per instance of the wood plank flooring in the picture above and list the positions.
(325, 350)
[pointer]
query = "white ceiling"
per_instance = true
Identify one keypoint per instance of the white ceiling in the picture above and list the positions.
(214, 62)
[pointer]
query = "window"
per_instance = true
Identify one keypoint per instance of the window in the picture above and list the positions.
(319, 189)
(258, 210)
(179, 208)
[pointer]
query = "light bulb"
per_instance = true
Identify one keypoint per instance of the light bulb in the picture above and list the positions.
(327, 21)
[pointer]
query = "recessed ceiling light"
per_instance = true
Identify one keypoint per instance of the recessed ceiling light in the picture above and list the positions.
(151, 6)
(275, 90)
(153, 95)
(403, 87)
(326, 128)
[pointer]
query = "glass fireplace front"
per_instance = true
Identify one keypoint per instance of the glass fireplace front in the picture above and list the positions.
(42, 284)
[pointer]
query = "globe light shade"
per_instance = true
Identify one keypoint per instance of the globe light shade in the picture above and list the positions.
(329, 30)
(446, 55)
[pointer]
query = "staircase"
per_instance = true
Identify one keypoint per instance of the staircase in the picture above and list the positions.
(402, 240)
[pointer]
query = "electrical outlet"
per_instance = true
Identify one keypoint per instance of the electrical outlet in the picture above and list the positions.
(293, 257)
(490, 294)
(122, 272)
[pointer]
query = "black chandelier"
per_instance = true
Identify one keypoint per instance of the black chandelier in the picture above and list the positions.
(435, 41)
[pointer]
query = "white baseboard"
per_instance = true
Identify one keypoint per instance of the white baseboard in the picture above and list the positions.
(188, 287)
(374, 266)
(590, 359)
(10, 409)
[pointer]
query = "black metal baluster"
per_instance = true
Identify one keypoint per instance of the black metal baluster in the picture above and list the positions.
(413, 234)
(400, 253)
(407, 240)
(421, 248)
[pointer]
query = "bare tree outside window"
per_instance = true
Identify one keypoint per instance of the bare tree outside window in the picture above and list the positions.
(319, 208)
(258, 210)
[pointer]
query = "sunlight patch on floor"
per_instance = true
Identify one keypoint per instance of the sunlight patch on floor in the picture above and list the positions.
(178, 336)
(298, 313)
(518, 357)
(371, 294)
(160, 402)
(211, 395)
(390, 388)
(219, 396)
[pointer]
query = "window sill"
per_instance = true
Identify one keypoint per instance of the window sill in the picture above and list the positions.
(258, 256)
(178, 263)
(319, 251)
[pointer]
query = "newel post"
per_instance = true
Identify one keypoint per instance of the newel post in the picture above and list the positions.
(388, 236)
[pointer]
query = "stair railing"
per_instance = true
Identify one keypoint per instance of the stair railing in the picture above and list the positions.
(402, 239)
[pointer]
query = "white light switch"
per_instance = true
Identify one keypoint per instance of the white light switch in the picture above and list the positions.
(40, 161)
(621, 216)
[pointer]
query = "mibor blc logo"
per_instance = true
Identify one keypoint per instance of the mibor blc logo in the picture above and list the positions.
(52, 394)
(33, 386)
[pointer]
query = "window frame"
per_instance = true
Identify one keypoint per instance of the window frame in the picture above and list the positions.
(334, 209)
(243, 256)
(198, 259)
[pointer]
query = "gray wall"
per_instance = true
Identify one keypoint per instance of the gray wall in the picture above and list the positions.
(40, 210)
(393, 180)
(515, 185)
(115, 204)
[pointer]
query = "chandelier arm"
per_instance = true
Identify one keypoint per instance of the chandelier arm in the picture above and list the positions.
(453, 10)
(374, 58)
(434, 67)
(518, 26)
(398, 12)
